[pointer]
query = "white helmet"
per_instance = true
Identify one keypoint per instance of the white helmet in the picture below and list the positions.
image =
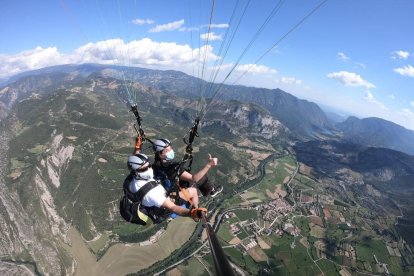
(135, 162)
(160, 144)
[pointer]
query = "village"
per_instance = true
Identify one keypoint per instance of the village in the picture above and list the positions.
(319, 213)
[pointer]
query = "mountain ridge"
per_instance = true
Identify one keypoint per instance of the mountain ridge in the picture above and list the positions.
(300, 116)
(306, 120)
(376, 132)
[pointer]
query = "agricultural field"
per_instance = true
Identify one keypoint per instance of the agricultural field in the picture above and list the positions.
(194, 266)
(121, 259)
(272, 185)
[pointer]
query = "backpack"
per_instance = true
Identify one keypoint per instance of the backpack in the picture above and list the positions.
(130, 206)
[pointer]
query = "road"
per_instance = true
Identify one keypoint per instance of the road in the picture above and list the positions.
(182, 260)
(290, 180)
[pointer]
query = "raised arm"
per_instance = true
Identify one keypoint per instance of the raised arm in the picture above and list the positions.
(138, 144)
(212, 162)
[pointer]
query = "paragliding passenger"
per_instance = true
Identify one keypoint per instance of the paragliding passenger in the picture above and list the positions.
(157, 205)
(165, 170)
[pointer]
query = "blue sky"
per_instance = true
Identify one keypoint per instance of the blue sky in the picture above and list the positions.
(356, 56)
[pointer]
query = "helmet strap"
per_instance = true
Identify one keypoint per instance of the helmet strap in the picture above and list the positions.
(135, 174)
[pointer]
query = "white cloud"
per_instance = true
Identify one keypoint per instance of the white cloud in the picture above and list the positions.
(371, 99)
(408, 115)
(342, 56)
(210, 36)
(400, 55)
(290, 80)
(391, 96)
(412, 103)
(144, 53)
(30, 60)
(168, 27)
(255, 69)
(140, 22)
(217, 26)
(226, 66)
(360, 64)
(189, 29)
(220, 26)
(350, 79)
(405, 71)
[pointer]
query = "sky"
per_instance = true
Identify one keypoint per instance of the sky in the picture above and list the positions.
(355, 56)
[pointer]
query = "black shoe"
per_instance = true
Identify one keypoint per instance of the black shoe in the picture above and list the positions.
(216, 190)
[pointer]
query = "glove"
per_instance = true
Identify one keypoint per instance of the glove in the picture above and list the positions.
(197, 213)
(138, 143)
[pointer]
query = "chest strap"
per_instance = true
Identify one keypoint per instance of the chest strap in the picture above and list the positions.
(138, 196)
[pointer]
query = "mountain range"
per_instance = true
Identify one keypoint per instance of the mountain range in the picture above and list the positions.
(300, 116)
(377, 132)
(304, 119)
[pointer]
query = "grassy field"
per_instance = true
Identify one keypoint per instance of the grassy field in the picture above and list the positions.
(100, 243)
(234, 201)
(244, 261)
(191, 267)
(328, 267)
(288, 261)
(366, 251)
(316, 231)
(246, 214)
(128, 228)
(303, 224)
(306, 181)
(224, 232)
(242, 235)
(395, 266)
(233, 220)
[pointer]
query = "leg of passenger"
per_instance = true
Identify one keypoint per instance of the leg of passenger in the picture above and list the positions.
(194, 196)
(204, 185)
(190, 193)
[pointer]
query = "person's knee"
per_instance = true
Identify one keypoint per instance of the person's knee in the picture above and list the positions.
(204, 185)
(189, 193)
(192, 191)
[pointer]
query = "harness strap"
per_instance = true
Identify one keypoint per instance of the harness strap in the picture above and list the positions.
(138, 196)
(145, 189)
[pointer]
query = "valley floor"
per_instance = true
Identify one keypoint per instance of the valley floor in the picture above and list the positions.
(124, 258)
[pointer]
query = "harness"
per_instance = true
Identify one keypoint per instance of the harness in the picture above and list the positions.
(130, 205)
(168, 175)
